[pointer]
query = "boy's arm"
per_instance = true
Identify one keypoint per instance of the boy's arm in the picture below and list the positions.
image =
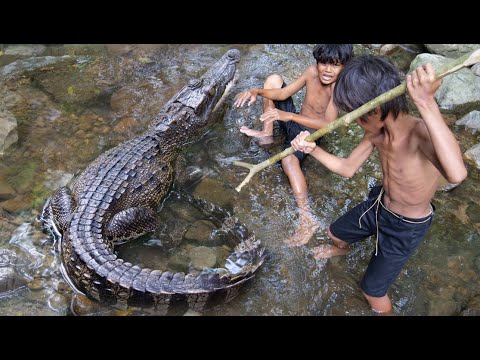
(437, 141)
(272, 94)
(346, 167)
(314, 123)
(275, 114)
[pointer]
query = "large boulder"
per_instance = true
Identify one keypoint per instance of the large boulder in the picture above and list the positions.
(459, 92)
(451, 50)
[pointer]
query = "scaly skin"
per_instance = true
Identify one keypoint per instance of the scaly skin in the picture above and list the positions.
(115, 198)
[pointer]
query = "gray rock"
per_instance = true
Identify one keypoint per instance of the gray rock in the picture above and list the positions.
(474, 154)
(459, 92)
(25, 50)
(400, 55)
(20, 66)
(476, 69)
(203, 257)
(471, 120)
(200, 231)
(451, 50)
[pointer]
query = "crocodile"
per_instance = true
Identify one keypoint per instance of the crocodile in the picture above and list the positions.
(116, 198)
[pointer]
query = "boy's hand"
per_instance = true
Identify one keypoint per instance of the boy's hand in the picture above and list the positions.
(421, 84)
(275, 114)
(299, 143)
(242, 97)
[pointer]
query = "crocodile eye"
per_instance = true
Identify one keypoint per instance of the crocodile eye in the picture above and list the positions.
(209, 89)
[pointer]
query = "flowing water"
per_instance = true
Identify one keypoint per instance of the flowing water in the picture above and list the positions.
(70, 111)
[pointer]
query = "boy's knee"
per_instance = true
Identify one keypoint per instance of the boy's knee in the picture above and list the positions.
(290, 161)
(274, 81)
(336, 241)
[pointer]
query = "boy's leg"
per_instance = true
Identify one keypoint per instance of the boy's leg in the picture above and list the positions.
(308, 223)
(380, 305)
(339, 247)
(273, 82)
(398, 238)
(356, 224)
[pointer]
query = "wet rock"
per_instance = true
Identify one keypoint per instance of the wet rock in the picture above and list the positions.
(36, 284)
(477, 264)
(459, 92)
(443, 308)
(8, 130)
(30, 64)
(179, 262)
(141, 100)
(125, 125)
(473, 154)
(471, 120)
(6, 191)
(82, 306)
(222, 253)
(203, 257)
(25, 50)
(11, 99)
(200, 231)
(473, 211)
(452, 51)
(400, 55)
(16, 205)
(84, 49)
(215, 191)
(476, 69)
(473, 307)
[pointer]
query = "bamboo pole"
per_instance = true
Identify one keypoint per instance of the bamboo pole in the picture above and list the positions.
(447, 69)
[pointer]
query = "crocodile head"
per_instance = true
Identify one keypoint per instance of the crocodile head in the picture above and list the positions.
(200, 96)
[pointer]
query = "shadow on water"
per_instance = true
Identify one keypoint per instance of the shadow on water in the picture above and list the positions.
(70, 112)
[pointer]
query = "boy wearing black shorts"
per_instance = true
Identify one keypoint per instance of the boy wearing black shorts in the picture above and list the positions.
(414, 152)
(316, 112)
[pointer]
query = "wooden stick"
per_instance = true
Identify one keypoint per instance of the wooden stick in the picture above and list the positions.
(447, 69)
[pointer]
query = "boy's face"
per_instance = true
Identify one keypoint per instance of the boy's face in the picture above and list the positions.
(371, 123)
(328, 73)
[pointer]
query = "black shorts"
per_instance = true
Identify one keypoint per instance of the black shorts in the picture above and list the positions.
(291, 128)
(398, 237)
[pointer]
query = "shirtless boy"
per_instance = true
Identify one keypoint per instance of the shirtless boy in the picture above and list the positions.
(317, 111)
(414, 152)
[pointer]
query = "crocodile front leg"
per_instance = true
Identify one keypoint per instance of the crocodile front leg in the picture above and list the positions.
(131, 223)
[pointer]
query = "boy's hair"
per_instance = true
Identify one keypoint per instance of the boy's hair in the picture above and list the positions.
(333, 53)
(364, 78)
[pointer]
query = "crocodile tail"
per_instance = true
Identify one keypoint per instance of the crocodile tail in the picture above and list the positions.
(248, 254)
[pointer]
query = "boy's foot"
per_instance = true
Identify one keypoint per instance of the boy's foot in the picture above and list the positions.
(262, 137)
(308, 226)
(327, 251)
